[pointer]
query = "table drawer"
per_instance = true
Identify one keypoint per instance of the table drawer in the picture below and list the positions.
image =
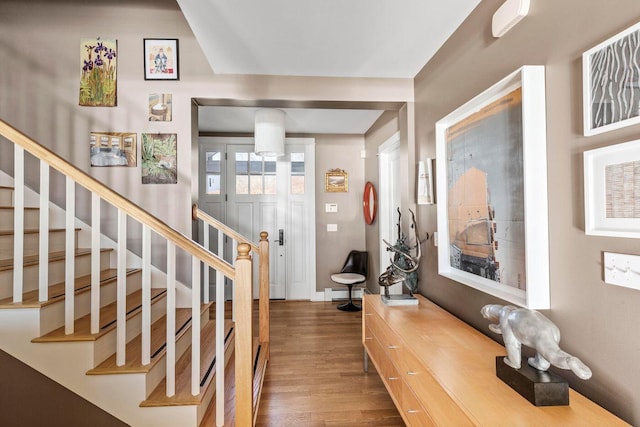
(413, 412)
(386, 369)
(442, 409)
(388, 339)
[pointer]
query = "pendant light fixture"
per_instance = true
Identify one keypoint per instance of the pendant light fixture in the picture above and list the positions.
(269, 132)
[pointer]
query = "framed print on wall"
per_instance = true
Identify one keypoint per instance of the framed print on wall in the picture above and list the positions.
(336, 181)
(425, 182)
(492, 190)
(161, 59)
(98, 77)
(611, 83)
(612, 190)
(159, 158)
(113, 149)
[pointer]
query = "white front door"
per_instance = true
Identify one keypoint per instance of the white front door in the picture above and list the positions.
(211, 199)
(276, 195)
(389, 169)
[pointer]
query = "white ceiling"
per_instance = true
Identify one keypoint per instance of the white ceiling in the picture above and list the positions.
(334, 38)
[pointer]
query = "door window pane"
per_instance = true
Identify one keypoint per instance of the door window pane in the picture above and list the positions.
(213, 183)
(270, 184)
(259, 174)
(256, 184)
(213, 162)
(242, 184)
(297, 173)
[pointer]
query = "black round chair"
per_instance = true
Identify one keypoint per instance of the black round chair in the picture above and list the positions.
(354, 272)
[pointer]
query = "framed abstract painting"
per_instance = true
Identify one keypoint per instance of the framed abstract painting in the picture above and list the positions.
(492, 191)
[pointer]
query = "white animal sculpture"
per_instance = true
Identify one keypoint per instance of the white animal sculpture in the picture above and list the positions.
(523, 326)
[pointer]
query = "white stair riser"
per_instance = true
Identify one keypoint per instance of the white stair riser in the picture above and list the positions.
(105, 346)
(52, 316)
(32, 243)
(6, 196)
(159, 371)
(31, 218)
(56, 273)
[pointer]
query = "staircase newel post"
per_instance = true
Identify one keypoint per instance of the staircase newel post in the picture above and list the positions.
(243, 337)
(263, 247)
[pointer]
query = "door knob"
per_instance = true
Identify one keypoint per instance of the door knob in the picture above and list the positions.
(281, 237)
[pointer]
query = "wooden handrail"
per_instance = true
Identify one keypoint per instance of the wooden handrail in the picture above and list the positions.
(115, 199)
(198, 213)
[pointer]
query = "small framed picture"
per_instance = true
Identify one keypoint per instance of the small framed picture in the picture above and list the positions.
(161, 59)
(336, 181)
(611, 186)
(611, 85)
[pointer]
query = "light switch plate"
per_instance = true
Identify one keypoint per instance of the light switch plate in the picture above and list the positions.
(331, 207)
(622, 270)
(332, 227)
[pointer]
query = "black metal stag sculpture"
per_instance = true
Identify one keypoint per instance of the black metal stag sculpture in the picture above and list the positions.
(405, 260)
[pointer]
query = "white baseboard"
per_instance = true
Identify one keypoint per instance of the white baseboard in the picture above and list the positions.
(331, 294)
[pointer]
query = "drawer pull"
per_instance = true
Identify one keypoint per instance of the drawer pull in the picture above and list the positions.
(368, 338)
(412, 373)
(367, 314)
(393, 347)
(393, 378)
(413, 411)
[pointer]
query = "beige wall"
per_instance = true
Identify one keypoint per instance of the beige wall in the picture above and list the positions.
(598, 321)
(332, 248)
(39, 77)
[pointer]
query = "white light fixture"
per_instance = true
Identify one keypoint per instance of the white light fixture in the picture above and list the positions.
(508, 15)
(269, 132)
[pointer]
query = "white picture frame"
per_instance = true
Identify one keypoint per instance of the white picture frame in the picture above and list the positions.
(611, 88)
(527, 205)
(612, 207)
(425, 182)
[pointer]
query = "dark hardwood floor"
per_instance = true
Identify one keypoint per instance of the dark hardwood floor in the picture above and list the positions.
(315, 376)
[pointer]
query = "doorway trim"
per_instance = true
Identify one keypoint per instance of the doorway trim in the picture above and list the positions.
(387, 204)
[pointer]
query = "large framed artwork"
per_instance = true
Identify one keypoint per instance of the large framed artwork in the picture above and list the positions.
(611, 83)
(492, 190)
(612, 190)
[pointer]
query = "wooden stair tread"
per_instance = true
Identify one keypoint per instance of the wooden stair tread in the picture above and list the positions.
(33, 231)
(82, 326)
(82, 284)
(7, 264)
(183, 394)
(133, 363)
(26, 208)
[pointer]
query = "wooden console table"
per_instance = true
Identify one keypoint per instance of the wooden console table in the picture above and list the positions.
(440, 371)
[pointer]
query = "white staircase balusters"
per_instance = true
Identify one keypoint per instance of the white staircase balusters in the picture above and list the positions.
(205, 274)
(43, 250)
(220, 302)
(95, 263)
(121, 309)
(18, 224)
(195, 326)
(69, 248)
(171, 319)
(146, 295)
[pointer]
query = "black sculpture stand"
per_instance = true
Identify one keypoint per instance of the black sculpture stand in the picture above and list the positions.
(541, 388)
